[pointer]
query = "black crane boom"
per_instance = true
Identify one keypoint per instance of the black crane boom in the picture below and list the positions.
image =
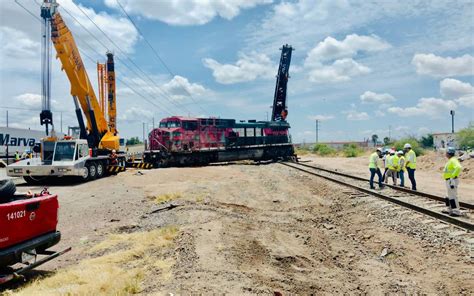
(280, 109)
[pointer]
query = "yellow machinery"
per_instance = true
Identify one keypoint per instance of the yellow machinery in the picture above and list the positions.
(101, 135)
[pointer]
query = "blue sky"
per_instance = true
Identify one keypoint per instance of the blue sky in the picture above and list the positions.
(359, 66)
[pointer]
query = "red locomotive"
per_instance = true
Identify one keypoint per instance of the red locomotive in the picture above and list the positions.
(187, 141)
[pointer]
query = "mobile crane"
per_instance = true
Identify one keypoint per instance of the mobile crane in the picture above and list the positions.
(96, 151)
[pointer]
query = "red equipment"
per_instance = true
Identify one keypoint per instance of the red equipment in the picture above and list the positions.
(27, 229)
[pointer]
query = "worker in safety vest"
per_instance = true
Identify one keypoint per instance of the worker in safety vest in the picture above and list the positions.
(451, 172)
(402, 169)
(385, 157)
(374, 168)
(113, 157)
(393, 166)
(410, 157)
(17, 156)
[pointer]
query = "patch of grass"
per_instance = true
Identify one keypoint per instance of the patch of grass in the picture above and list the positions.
(159, 199)
(352, 150)
(323, 150)
(119, 271)
(302, 151)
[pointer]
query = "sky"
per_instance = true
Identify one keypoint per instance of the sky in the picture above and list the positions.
(359, 67)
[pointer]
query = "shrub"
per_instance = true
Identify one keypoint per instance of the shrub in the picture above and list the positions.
(465, 137)
(352, 150)
(415, 145)
(323, 150)
(427, 141)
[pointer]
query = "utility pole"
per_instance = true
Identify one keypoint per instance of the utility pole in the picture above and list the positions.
(317, 131)
(61, 122)
(452, 121)
(390, 132)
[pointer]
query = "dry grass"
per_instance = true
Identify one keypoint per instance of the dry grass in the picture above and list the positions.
(127, 259)
(159, 199)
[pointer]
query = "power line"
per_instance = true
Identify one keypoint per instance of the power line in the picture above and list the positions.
(98, 40)
(131, 61)
(93, 61)
(27, 10)
(158, 56)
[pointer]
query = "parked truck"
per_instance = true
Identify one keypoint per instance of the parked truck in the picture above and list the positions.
(96, 152)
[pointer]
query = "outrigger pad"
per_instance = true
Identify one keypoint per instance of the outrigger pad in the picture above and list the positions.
(115, 169)
(139, 165)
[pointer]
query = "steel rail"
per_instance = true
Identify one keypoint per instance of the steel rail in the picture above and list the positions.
(407, 190)
(440, 216)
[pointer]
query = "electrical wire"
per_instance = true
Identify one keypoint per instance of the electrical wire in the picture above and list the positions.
(158, 56)
(94, 61)
(167, 96)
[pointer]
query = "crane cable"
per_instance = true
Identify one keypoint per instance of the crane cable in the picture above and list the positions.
(167, 96)
(94, 61)
(159, 58)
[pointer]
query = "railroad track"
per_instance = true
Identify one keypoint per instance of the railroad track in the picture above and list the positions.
(421, 202)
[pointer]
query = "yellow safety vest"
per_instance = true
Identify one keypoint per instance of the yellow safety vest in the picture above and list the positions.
(403, 164)
(411, 159)
(393, 162)
(373, 160)
(452, 169)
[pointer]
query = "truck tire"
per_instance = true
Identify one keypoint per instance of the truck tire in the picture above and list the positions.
(92, 171)
(85, 173)
(7, 190)
(100, 169)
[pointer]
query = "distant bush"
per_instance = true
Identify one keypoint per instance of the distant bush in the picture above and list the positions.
(415, 145)
(352, 150)
(323, 149)
(427, 141)
(465, 137)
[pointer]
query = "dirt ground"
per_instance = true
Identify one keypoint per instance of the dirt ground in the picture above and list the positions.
(428, 173)
(260, 229)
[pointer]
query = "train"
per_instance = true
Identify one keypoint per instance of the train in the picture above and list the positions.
(184, 141)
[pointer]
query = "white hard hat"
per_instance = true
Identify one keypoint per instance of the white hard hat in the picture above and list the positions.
(392, 151)
(113, 151)
(399, 152)
(379, 149)
(407, 145)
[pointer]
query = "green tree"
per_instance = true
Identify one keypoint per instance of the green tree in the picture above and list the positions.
(427, 141)
(386, 141)
(351, 150)
(465, 137)
(415, 145)
(375, 138)
(133, 141)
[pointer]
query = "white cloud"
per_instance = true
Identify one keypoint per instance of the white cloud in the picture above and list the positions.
(186, 12)
(136, 114)
(31, 100)
(341, 53)
(339, 71)
(452, 88)
(467, 100)
(320, 117)
(356, 116)
(332, 49)
(372, 97)
(247, 68)
(431, 107)
(16, 44)
(379, 113)
(179, 88)
(436, 66)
